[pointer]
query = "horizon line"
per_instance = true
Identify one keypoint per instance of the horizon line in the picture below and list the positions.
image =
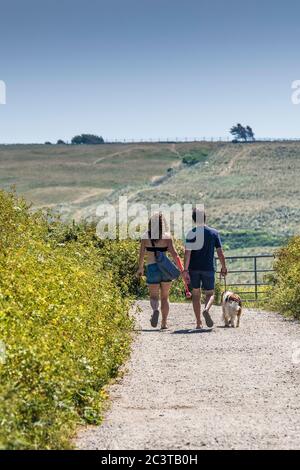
(161, 140)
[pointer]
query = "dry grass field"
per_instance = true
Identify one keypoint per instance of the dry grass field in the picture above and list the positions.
(72, 177)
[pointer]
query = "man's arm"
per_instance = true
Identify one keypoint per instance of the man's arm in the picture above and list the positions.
(222, 261)
(187, 259)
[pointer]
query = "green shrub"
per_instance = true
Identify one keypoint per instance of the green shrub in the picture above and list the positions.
(89, 139)
(64, 323)
(285, 294)
(195, 156)
(121, 257)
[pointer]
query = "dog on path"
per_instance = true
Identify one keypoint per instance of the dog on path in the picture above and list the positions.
(232, 309)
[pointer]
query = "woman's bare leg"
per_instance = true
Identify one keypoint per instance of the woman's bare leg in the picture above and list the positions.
(165, 306)
(154, 302)
(154, 296)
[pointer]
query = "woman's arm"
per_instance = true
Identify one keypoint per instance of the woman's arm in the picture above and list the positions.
(175, 255)
(173, 251)
(140, 271)
(184, 274)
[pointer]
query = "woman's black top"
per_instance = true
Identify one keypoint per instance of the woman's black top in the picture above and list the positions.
(155, 249)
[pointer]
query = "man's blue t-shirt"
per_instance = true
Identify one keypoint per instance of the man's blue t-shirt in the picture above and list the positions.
(203, 259)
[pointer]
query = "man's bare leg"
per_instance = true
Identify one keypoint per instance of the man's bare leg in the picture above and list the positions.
(197, 306)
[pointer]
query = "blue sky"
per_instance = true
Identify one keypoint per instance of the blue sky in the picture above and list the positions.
(148, 68)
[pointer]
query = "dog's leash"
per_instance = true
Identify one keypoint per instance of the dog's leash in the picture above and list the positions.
(225, 282)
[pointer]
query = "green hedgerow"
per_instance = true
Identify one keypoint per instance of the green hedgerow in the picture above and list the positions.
(65, 326)
(285, 293)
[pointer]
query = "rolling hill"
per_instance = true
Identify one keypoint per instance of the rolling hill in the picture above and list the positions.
(250, 191)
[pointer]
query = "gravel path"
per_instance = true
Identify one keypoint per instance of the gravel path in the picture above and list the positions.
(219, 389)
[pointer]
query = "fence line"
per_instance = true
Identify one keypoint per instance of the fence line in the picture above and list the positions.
(255, 271)
(179, 140)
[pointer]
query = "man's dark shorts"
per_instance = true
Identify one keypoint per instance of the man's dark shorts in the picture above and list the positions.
(202, 279)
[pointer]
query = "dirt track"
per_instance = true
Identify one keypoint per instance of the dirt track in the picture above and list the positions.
(219, 389)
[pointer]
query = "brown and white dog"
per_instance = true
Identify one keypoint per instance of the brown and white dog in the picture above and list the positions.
(232, 309)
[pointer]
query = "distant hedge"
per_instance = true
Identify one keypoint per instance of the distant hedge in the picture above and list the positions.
(64, 327)
(251, 238)
(285, 294)
(87, 139)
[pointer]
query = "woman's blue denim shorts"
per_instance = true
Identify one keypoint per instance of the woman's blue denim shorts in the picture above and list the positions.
(154, 275)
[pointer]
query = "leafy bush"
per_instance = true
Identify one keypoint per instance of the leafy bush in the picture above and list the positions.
(64, 323)
(195, 156)
(190, 160)
(285, 294)
(89, 139)
(120, 257)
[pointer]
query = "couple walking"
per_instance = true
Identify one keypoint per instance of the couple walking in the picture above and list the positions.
(198, 271)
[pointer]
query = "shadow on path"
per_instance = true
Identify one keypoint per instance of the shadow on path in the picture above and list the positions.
(192, 331)
(145, 330)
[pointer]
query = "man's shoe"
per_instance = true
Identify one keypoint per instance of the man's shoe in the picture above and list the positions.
(208, 319)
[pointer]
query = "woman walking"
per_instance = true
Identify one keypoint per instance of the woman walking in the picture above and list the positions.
(155, 241)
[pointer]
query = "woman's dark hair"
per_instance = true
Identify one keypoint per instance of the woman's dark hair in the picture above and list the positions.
(155, 227)
(198, 215)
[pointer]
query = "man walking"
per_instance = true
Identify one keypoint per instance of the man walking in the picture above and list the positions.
(199, 266)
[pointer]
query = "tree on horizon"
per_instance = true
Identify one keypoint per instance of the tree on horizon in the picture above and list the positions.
(250, 133)
(242, 133)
